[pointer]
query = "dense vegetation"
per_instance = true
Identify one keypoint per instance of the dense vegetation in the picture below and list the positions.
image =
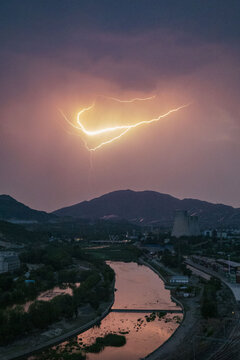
(87, 229)
(120, 252)
(53, 270)
(108, 340)
(55, 264)
(209, 306)
(18, 234)
(74, 349)
(95, 288)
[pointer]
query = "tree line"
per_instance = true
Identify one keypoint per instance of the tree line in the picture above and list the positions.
(95, 288)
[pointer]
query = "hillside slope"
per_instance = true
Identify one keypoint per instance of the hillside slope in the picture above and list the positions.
(15, 211)
(149, 207)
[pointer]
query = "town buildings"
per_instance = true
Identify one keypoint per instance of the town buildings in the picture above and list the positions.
(226, 268)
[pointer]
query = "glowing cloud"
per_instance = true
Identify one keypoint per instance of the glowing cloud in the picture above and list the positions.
(125, 128)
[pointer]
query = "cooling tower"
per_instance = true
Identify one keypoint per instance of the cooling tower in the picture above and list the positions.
(194, 226)
(185, 225)
(180, 227)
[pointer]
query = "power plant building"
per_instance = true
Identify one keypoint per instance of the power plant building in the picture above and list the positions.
(185, 225)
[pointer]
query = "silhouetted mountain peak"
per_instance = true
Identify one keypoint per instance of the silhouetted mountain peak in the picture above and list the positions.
(7, 197)
(13, 210)
(147, 207)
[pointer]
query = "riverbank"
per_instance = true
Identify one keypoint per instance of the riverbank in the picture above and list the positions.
(39, 341)
(138, 289)
(61, 331)
(199, 338)
(182, 341)
(229, 348)
(190, 318)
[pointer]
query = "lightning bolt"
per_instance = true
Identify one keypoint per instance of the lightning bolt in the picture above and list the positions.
(131, 100)
(124, 128)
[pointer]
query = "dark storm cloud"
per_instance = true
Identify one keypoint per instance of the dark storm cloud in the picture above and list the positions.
(166, 35)
(212, 20)
(117, 39)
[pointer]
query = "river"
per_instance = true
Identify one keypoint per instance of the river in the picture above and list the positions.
(138, 287)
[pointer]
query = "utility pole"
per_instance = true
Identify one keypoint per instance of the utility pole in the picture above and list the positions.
(179, 254)
(229, 265)
(194, 352)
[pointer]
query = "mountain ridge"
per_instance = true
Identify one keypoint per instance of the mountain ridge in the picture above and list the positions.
(149, 207)
(15, 211)
(139, 207)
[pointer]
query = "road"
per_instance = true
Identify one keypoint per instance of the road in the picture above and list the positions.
(175, 311)
(235, 288)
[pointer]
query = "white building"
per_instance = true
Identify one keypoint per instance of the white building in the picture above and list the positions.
(179, 279)
(219, 234)
(9, 261)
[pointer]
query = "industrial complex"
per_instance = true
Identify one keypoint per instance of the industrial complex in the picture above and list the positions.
(185, 225)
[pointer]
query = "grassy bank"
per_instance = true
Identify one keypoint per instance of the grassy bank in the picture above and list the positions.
(121, 252)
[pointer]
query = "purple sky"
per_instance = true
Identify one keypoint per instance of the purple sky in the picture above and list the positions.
(63, 54)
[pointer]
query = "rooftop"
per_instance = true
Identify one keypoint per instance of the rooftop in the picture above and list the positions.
(228, 262)
(179, 277)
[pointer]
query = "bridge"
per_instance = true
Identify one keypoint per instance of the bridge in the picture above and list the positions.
(170, 311)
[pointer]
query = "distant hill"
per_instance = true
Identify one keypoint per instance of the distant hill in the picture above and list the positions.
(150, 207)
(14, 211)
(15, 233)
